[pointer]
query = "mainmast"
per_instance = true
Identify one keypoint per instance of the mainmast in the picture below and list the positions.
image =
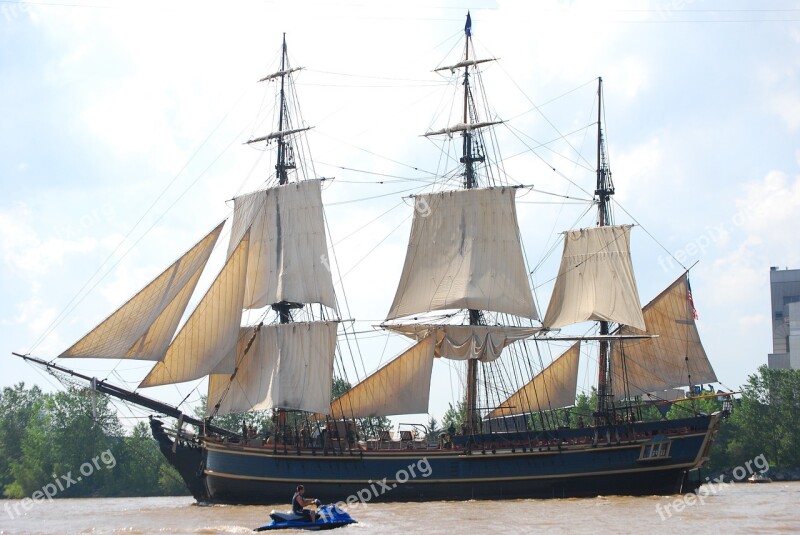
(487, 213)
(605, 188)
(468, 158)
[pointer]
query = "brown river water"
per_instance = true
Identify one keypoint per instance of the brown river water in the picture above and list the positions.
(734, 508)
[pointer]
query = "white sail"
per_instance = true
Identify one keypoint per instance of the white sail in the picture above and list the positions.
(675, 358)
(553, 388)
(595, 280)
(142, 328)
(211, 331)
(400, 387)
(221, 390)
(288, 251)
(462, 342)
(288, 366)
(464, 252)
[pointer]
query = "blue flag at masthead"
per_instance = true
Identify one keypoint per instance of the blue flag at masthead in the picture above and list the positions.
(468, 26)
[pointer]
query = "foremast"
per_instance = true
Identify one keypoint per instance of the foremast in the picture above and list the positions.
(285, 153)
(287, 222)
(603, 193)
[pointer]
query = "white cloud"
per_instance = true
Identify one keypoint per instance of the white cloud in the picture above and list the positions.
(637, 171)
(762, 235)
(27, 255)
(769, 207)
(786, 105)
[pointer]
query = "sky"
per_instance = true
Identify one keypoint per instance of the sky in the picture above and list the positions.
(123, 129)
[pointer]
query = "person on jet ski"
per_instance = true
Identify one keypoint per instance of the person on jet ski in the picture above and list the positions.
(299, 502)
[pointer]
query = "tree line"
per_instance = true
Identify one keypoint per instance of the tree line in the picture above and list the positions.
(71, 444)
(49, 438)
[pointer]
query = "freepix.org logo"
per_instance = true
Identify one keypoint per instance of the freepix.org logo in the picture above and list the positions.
(373, 489)
(61, 483)
(712, 487)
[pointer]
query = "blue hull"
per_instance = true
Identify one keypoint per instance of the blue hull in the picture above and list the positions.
(645, 459)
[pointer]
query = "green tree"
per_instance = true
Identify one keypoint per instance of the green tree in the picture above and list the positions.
(70, 428)
(259, 420)
(455, 417)
(141, 468)
(433, 429)
(18, 406)
(767, 419)
(707, 403)
(585, 405)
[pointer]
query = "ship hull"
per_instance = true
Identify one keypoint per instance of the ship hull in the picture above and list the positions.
(658, 464)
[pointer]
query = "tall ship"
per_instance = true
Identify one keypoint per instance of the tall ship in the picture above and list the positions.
(464, 295)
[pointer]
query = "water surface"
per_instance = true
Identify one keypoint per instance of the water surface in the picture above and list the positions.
(740, 508)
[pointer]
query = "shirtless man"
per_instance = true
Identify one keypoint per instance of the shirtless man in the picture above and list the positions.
(299, 502)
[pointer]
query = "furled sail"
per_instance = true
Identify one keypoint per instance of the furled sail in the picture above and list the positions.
(464, 252)
(280, 134)
(211, 331)
(288, 251)
(400, 387)
(461, 127)
(464, 63)
(462, 342)
(553, 388)
(675, 358)
(595, 280)
(143, 327)
(287, 366)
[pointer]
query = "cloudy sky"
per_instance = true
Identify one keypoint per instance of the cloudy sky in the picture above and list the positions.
(123, 125)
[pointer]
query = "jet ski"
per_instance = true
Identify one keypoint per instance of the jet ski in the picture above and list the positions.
(328, 517)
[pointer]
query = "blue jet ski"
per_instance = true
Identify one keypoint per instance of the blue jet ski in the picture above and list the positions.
(328, 517)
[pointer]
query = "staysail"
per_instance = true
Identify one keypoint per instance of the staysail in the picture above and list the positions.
(463, 342)
(142, 328)
(464, 253)
(595, 280)
(211, 331)
(553, 388)
(400, 387)
(288, 251)
(287, 366)
(675, 358)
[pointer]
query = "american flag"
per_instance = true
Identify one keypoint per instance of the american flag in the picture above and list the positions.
(691, 301)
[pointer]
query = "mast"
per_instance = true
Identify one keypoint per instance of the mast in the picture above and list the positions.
(468, 158)
(283, 147)
(605, 188)
(284, 163)
(281, 166)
